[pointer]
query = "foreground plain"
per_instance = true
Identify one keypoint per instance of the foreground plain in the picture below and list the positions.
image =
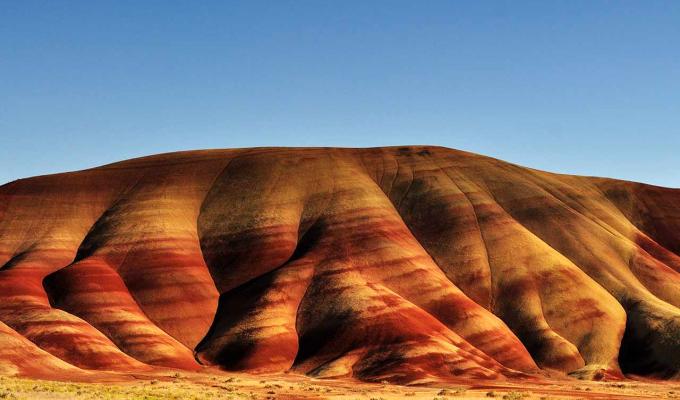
(206, 386)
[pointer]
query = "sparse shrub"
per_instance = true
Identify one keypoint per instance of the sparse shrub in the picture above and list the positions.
(514, 396)
(449, 392)
(7, 395)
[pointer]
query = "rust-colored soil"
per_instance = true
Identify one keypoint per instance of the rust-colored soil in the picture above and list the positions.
(410, 265)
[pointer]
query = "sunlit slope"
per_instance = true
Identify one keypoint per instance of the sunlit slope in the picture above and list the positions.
(405, 264)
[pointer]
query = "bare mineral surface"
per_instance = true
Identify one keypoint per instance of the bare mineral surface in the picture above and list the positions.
(404, 265)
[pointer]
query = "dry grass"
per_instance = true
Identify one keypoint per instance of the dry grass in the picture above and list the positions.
(288, 387)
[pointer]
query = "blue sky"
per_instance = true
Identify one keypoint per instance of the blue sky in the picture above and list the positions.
(583, 87)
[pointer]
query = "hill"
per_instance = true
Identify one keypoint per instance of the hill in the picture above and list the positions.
(406, 264)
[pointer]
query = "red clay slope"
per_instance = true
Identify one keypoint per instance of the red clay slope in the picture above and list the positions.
(406, 264)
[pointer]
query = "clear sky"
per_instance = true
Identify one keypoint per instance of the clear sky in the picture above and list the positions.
(584, 87)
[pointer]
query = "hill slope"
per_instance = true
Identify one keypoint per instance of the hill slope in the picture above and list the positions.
(405, 264)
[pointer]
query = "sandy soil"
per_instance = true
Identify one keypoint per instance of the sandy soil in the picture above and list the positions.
(289, 386)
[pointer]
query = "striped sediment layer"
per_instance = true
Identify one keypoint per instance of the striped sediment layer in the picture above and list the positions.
(406, 264)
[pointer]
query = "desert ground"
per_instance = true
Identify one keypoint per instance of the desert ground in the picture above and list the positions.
(199, 386)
